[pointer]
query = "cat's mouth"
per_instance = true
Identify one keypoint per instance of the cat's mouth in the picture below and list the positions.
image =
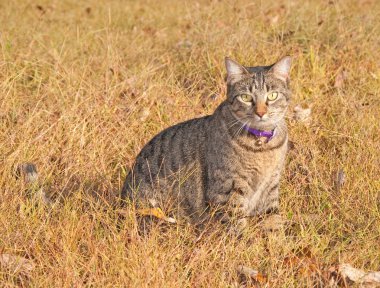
(261, 123)
(262, 118)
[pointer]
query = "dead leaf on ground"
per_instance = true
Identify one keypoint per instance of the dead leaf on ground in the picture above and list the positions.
(144, 114)
(304, 262)
(43, 197)
(249, 274)
(41, 9)
(186, 44)
(16, 264)
(302, 114)
(358, 276)
(340, 78)
(155, 212)
(274, 14)
(342, 275)
(28, 172)
(340, 178)
(274, 19)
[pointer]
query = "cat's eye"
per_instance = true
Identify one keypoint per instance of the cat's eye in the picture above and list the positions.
(246, 97)
(272, 96)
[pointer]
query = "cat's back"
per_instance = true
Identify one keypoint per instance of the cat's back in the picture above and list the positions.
(179, 140)
(177, 147)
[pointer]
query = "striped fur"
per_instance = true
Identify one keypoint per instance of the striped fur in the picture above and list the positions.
(211, 161)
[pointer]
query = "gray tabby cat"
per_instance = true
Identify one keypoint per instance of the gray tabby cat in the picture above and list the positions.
(231, 159)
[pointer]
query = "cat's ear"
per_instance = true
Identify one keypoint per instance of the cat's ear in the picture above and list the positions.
(281, 69)
(234, 70)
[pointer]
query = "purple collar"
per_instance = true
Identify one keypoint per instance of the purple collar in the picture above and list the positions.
(260, 133)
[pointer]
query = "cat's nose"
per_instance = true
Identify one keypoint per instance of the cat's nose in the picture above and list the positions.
(260, 113)
(261, 109)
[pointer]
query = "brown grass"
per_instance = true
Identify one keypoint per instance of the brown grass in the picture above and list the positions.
(85, 84)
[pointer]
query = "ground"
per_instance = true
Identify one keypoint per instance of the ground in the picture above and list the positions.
(85, 84)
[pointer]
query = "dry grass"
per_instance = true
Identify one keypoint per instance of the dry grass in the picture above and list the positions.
(84, 84)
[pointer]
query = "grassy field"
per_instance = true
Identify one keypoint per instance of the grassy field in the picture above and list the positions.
(85, 84)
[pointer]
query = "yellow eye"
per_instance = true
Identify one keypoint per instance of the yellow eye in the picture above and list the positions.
(272, 96)
(246, 97)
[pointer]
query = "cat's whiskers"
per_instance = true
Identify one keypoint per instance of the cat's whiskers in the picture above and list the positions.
(240, 129)
(234, 122)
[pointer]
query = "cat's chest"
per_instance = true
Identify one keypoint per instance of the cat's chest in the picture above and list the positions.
(256, 167)
(259, 164)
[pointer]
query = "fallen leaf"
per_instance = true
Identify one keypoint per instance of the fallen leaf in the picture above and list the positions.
(41, 9)
(144, 114)
(16, 264)
(28, 171)
(342, 275)
(248, 273)
(365, 279)
(340, 78)
(302, 114)
(186, 44)
(304, 263)
(153, 202)
(340, 178)
(155, 212)
(274, 19)
(43, 197)
(374, 76)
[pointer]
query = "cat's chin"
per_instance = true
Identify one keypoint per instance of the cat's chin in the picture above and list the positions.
(262, 125)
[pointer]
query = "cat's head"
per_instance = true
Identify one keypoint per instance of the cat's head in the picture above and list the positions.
(258, 96)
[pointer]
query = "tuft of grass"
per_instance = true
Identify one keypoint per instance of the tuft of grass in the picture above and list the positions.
(84, 85)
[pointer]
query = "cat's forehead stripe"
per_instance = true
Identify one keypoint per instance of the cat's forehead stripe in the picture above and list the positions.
(259, 80)
(263, 81)
(255, 81)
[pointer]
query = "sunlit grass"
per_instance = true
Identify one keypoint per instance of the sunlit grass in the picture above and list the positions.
(84, 85)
